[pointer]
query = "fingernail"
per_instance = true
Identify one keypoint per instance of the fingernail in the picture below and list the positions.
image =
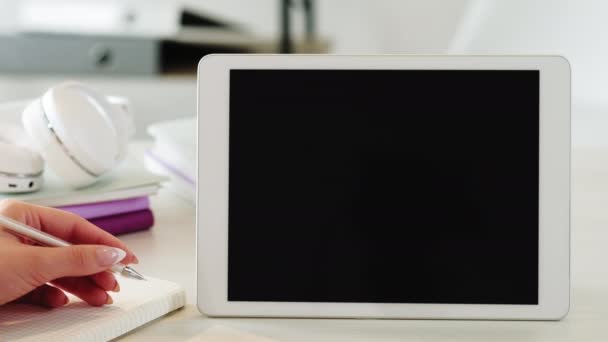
(108, 256)
(66, 301)
(109, 300)
(116, 288)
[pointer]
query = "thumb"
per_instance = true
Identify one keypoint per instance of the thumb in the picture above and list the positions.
(80, 260)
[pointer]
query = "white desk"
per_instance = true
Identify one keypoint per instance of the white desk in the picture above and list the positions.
(167, 251)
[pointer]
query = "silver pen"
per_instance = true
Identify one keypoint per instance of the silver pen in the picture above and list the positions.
(45, 239)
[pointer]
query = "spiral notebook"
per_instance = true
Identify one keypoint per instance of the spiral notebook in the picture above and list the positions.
(138, 303)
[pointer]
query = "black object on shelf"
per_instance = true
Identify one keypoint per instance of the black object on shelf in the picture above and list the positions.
(286, 42)
(309, 12)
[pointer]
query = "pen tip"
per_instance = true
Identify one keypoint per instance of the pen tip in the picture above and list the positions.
(133, 273)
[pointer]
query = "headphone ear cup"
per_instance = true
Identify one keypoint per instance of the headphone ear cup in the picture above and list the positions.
(21, 169)
(37, 128)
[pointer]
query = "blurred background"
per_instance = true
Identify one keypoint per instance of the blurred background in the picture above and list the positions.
(147, 50)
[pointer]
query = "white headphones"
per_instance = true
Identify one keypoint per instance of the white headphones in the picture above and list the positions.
(79, 133)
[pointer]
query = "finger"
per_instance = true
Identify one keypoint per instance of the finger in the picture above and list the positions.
(106, 281)
(85, 289)
(9, 237)
(43, 264)
(64, 225)
(45, 295)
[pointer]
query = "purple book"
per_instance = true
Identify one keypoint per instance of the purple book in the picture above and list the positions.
(102, 209)
(125, 223)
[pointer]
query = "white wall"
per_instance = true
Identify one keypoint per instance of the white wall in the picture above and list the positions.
(577, 30)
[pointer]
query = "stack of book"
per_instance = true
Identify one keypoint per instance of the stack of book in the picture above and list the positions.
(118, 202)
(118, 216)
(174, 155)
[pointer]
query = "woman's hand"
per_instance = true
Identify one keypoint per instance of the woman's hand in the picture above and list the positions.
(40, 275)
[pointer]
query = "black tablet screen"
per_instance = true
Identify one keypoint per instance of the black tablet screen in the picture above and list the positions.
(384, 186)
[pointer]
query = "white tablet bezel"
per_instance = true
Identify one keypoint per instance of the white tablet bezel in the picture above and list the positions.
(554, 187)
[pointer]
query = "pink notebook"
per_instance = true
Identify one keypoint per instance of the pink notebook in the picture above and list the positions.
(125, 223)
(108, 208)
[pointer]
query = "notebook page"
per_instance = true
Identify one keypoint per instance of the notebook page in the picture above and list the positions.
(137, 303)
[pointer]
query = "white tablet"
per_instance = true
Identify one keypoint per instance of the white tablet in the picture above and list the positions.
(384, 186)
